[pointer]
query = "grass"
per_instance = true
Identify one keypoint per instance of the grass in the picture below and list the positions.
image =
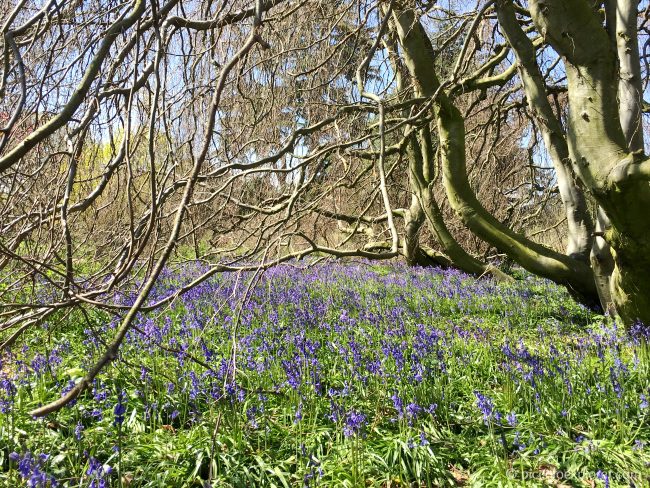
(338, 375)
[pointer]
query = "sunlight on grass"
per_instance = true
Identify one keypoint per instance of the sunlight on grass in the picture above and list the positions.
(343, 375)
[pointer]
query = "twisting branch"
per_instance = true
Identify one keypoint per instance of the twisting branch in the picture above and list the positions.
(112, 350)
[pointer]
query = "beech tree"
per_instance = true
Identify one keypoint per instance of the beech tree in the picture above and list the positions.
(598, 149)
(241, 134)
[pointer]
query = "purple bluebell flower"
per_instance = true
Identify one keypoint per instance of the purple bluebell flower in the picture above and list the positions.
(8, 391)
(98, 473)
(78, 431)
(398, 404)
(423, 439)
(32, 470)
(431, 409)
(120, 409)
(485, 405)
(298, 415)
(413, 410)
(354, 423)
(336, 412)
(601, 475)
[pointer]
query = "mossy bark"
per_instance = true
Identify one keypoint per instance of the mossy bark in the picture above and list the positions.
(422, 179)
(602, 263)
(424, 207)
(418, 56)
(413, 220)
(616, 175)
(579, 222)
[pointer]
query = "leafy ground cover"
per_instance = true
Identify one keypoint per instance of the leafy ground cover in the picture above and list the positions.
(336, 375)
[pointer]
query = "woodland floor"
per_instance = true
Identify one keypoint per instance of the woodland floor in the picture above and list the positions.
(343, 375)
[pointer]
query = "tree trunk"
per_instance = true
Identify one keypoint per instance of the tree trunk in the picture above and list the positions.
(602, 263)
(579, 222)
(599, 143)
(422, 178)
(629, 83)
(419, 57)
(422, 175)
(413, 220)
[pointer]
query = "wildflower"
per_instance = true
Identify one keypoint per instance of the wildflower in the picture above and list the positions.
(95, 413)
(99, 394)
(7, 399)
(98, 473)
(39, 364)
(68, 387)
(431, 409)
(354, 423)
(78, 430)
(31, 470)
(604, 477)
(512, 419)
(485, 405)
(231, 389)
(298, 416)
(335, 412)
(497, 417)
(119, 410)
(195, 388)
(398, 404)
(517, 442)
(423, 439)
(412, 410)
(144, 374)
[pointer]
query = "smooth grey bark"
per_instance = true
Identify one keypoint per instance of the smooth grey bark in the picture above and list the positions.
(615, 175)
(630, 92)
(579, 222)
(620, 21)
(602, 262)
(630, 111)
(424, 207)
(419, 56)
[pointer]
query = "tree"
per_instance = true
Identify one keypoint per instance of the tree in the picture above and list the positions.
(243, 134)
